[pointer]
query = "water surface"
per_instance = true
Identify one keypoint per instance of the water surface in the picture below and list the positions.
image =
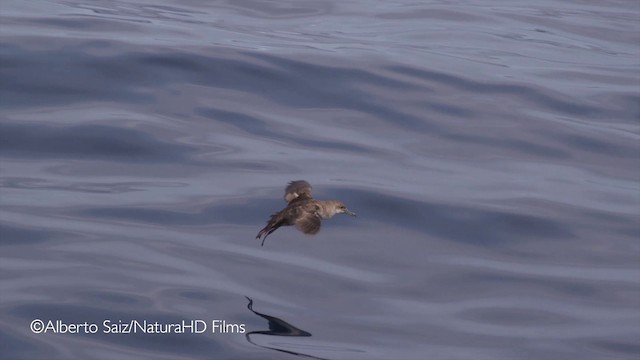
(490, 150)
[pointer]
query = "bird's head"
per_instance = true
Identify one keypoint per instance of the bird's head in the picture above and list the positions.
(341, 208)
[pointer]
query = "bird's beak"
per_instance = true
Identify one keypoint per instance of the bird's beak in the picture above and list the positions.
(349, 212)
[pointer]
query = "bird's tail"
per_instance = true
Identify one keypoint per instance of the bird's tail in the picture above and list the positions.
(262, 232)
(267, 230)
(276, 220)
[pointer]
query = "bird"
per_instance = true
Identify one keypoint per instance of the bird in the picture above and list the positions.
(302, 210)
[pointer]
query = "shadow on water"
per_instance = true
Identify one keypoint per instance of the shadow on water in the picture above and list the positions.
(277, 327)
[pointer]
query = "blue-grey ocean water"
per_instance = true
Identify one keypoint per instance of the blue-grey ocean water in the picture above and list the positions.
(489, 148)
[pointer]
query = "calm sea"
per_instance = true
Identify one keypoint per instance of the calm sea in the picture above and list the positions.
(490, 148)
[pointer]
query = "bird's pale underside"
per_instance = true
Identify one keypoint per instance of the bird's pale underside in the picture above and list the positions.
(303, 211)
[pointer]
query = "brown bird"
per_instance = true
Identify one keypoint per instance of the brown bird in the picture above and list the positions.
(303, 211)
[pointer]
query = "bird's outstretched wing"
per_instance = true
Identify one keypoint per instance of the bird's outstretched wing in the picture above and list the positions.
(308, 223)
(298, 189)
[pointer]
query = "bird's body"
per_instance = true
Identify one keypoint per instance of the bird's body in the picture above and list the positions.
(303, 211)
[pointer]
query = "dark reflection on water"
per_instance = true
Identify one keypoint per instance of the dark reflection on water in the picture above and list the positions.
(491, 153)
(277, 327)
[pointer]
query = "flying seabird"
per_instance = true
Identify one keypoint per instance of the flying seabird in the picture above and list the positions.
(302, 210)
